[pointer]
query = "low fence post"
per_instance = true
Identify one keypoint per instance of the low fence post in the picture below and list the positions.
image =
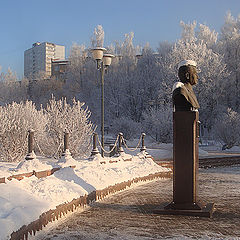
(66, 151)
(31, 155)
(120, 148)
(66, 140)
(94, 150)
(143, 148)
(113, 150)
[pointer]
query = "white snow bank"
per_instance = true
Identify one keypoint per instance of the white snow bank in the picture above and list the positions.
(160, 154)
(202, 153)
(165, 151)
(159, 151)
(28, 166)
(22, 202)
(67, 160)
(234, 149)
(5, 169)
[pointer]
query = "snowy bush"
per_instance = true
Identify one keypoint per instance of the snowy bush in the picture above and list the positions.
(71, 117)
(12, 90)
(16, 120)
(227, 128)
(48, 124)
(127, 126)
(158, 124)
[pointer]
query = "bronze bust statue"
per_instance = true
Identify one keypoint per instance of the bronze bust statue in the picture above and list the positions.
(184, 98)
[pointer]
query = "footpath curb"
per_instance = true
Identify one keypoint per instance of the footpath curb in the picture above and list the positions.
(40, 174)
(82, 201)
(208, 162)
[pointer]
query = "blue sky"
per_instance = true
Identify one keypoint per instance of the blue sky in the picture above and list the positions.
(23, 22)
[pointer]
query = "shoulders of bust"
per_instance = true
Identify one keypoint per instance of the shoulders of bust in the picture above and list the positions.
(177, 85)
(181, 89)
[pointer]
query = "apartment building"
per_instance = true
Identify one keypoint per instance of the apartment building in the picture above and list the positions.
(38, 59)
(60, 69)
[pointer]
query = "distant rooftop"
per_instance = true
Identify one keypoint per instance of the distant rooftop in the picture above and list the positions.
(38, 43)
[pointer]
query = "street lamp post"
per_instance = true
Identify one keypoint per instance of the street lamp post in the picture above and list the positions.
(103, 62)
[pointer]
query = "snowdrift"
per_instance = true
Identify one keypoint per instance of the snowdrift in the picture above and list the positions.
(22, 202)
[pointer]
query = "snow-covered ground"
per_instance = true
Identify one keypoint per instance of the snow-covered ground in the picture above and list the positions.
(128, 214)
(163, 151)
(22, 202)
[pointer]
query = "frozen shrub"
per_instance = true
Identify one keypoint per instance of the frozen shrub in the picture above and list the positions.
(227, 128)
(49, 126)
(73, 118)
(127, 126)
(158, 124)
(16, 120)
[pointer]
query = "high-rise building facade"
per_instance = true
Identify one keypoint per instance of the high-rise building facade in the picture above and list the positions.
(39, 58)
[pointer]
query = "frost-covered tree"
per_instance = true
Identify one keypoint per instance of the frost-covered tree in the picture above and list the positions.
(120, 80)
(127, 47)
(157, 123)
(227, 128)
(16, 120)
(229, 46)
(77, 57)
(145, 84)
(41, 89)
(140, 79)
(49, 125)
(164, 48)
(211, 70)
(188, 31)
(127, 126)
(11, 89)
(209, 37)
(98, 37)
(73, 118)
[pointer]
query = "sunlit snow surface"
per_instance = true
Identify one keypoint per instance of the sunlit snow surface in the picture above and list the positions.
(22, 202)
(126, 215)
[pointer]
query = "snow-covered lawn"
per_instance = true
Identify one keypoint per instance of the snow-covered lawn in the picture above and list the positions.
(22, 202)
(128, 216)
(161, 151)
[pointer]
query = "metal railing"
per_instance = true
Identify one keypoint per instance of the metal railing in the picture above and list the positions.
(120, 141)
(117, 147)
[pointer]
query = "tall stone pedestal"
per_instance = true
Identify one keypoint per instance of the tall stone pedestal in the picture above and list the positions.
(185, 168)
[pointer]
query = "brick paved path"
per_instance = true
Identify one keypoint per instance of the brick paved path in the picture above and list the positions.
(127, 215)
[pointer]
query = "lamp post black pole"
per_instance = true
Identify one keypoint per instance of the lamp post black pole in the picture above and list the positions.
(103, 61)
(102, 107)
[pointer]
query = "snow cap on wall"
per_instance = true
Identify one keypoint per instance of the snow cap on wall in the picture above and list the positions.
(187, 63)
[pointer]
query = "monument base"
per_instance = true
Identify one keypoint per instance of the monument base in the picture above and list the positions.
(197, 210)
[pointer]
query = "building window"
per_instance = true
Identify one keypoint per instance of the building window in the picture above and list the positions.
(56, 68)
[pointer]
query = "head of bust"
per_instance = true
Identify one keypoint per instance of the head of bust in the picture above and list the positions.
(187, 72)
